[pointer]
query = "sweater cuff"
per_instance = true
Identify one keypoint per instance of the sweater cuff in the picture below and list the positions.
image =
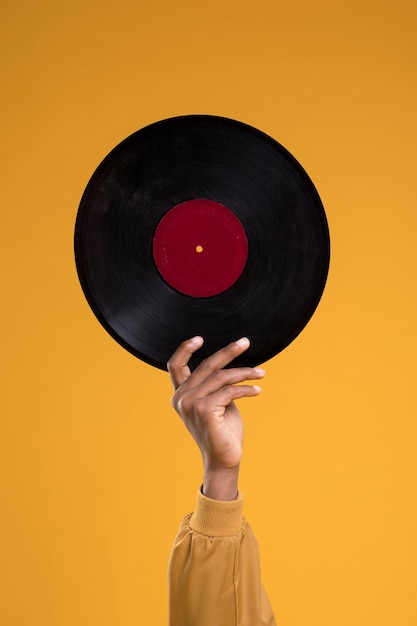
(217, 518)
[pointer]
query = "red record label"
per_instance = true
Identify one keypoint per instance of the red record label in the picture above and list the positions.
(200, 248)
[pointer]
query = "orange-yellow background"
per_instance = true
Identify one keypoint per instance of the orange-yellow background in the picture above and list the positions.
(96, 471)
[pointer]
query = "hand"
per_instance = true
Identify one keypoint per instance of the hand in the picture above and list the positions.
(204, 400)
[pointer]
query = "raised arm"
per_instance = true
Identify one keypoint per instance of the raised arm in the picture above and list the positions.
(214, 572)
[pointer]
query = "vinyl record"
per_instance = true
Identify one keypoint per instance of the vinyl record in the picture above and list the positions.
(201, 225)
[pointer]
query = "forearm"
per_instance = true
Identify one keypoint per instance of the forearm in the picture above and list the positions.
(221, 484)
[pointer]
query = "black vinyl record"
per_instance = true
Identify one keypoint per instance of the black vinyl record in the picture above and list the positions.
(201, 225)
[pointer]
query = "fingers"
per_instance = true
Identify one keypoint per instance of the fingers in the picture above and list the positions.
(210, 376)
(218, 401)
(219, 360)
(222, 378)
(178, 364)
(219, 389)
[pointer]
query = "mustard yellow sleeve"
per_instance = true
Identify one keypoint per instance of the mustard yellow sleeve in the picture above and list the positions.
(214, 569)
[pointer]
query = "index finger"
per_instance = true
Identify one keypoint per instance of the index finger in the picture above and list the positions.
(178, 363)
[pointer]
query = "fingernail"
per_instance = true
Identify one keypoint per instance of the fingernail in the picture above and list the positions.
(244, 341)
(260, 371)
(197, 339)
(257, 388)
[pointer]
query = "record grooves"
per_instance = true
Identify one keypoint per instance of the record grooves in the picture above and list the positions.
(201, 225)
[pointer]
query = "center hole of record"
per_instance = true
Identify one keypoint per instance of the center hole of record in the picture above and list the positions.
(181, 262)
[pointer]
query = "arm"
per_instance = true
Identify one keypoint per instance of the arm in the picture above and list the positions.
(214, 571)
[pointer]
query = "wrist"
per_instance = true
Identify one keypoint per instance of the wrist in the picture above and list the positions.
(221, 484)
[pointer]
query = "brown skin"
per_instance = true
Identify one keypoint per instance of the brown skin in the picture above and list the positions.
(204, 399)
